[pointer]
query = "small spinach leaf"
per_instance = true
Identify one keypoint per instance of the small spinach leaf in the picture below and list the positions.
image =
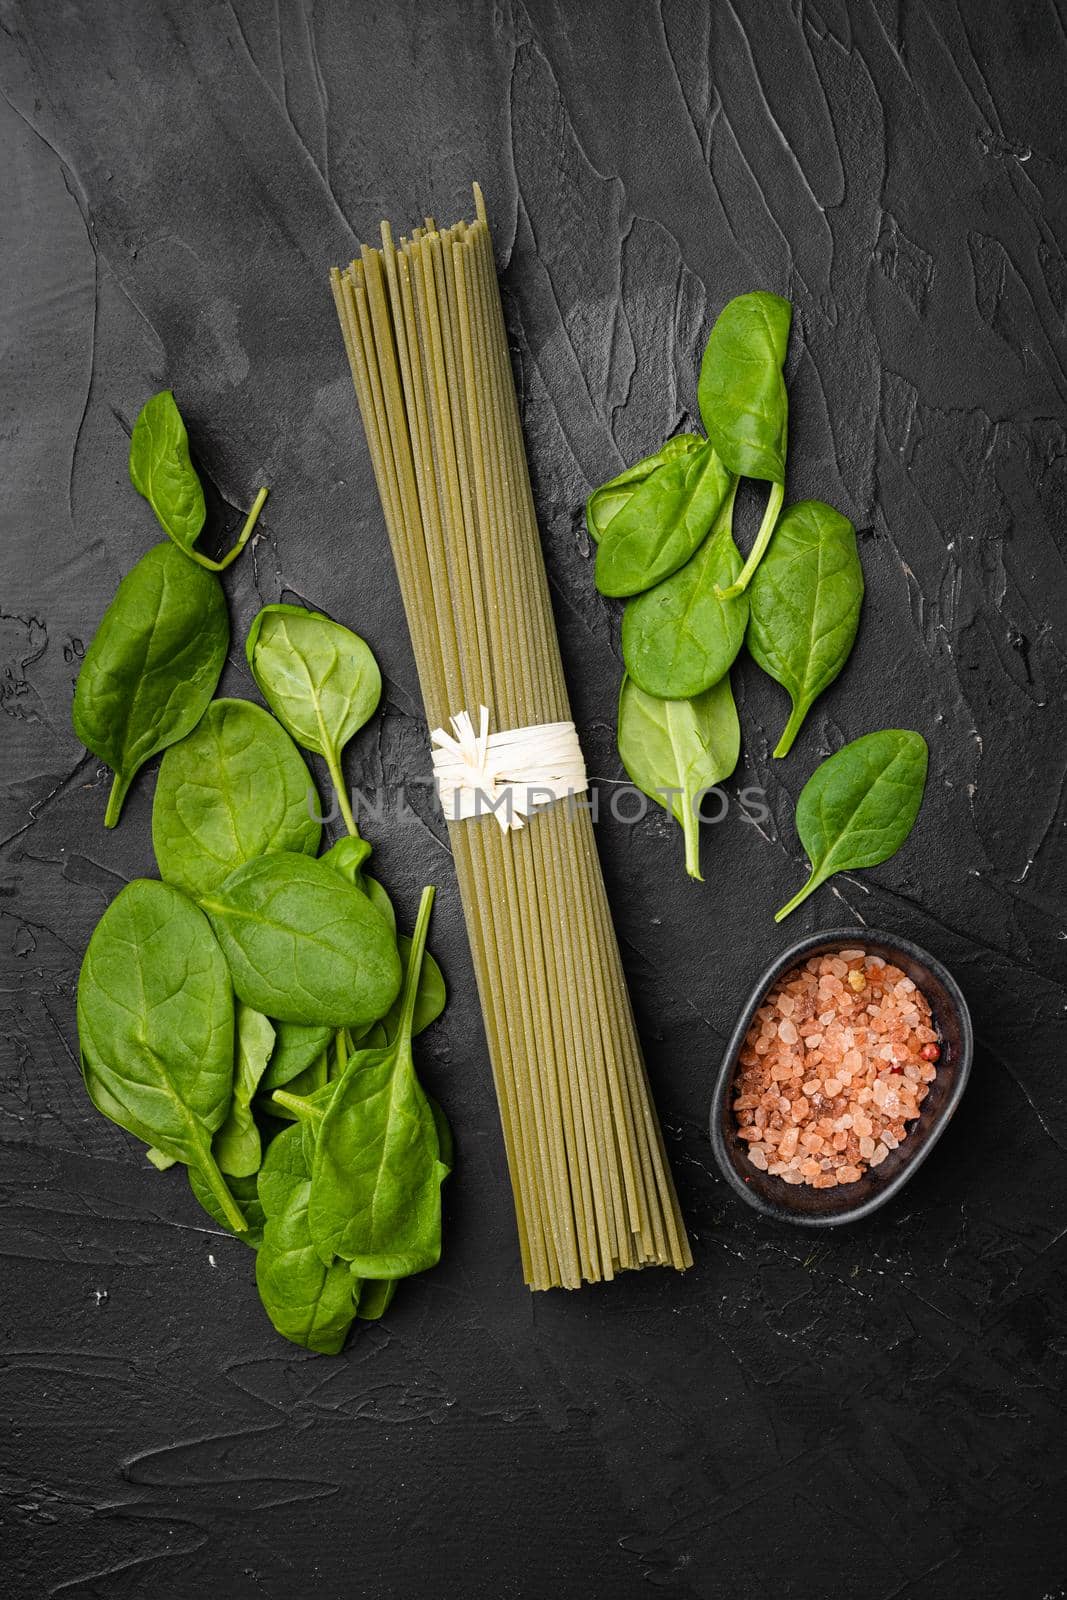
(155, 1023)
(309, 1301)
(234, 788)
(741, 392)
(296, 1046)
(607, 501)
(348, 857)
(376, 1179)
(245, 1192)
(859, 806)
(152, 667)
(320, 680)
(161, 470)
(665, 520)
(303, 945)
(744, 405)
(804, 606)
(680, 637)
(375, 1298)
(431, 995)
(236, 1145)
(676, 750)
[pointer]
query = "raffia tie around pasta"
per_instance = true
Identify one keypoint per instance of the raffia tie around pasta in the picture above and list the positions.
(509, 773)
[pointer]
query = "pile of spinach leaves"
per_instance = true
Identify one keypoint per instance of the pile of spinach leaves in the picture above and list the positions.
(250, 1014)
(664, 535)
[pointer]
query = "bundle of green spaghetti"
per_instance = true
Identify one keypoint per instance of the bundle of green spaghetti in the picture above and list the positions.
(425, 336)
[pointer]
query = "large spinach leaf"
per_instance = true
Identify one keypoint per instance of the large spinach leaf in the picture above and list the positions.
(320, 680)
(303, 945)
(237, 1144)
(155, 1023)
(676, 750)
(152, 666)
(161, 470)
(234, 788)
(804, 605)
(743, 402)
(377, 1173)
(859, 806)
(309, 1301)
(665, 520)
(605, 503)
(681, 637)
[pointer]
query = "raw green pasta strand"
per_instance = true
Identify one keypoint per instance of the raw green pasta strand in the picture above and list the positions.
(479, 535)
(523, 921)
(461, 491)
(517, 476)
(475, 892)
(423, 586)
(546, 1114)
(624, 1119)
(428, 653)
(399, 282)
(521, 844)
(542, 649)
(516, 1004)
(589, 1199)
(548, 651)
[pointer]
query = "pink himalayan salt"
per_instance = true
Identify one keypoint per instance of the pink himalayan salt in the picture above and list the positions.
(821, 1098)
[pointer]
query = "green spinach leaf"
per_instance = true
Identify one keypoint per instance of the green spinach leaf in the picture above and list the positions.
(348, 857)
(375, 1298)
(237, 1145)
(431, 995)
(607, 501)
(152, 667)
(234, 788)
(804, 606)
(664, 522)
(155, 1023)
(320, 680)
(743, 403)
(245, 1191)
(376, 1179)
(309, 1301)
(680, 637)
(675, 750)
(859, 806)
(296, 1046)
(303, 945)
(741, 392)
(161, 470)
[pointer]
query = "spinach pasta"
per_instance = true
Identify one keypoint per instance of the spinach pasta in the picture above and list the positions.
(424, 331)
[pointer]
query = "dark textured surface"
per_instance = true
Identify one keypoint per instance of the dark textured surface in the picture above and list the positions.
(878, 1413)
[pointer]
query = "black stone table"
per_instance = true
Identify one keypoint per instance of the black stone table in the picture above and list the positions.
(876, 1413)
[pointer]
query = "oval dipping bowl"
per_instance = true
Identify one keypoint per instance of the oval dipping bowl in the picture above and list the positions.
(830, 1208)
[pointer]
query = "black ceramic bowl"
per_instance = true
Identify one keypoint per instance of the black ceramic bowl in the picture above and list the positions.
(829, 1208)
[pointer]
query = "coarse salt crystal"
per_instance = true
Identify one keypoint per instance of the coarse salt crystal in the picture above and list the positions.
(818, 1096)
